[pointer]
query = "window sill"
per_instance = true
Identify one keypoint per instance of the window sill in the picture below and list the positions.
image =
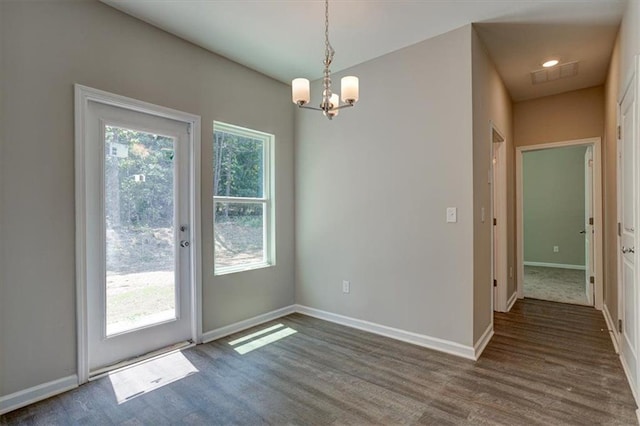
(243, 268)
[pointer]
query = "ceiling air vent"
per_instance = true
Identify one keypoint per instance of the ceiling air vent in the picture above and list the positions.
(545, 75)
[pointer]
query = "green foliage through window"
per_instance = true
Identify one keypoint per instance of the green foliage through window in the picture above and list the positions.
(239, 166)
(241, 197)
(139, 171)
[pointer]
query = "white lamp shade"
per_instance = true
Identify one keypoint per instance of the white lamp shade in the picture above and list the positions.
(335, 100)
(300, 93)
(349, 89)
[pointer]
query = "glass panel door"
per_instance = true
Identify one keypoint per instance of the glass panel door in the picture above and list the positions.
(139, 229)
(139, 292)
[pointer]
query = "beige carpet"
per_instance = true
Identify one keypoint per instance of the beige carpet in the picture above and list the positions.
(555, 284)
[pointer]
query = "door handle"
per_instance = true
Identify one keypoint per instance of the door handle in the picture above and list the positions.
(184, 243)
(628, 250)
(584, 231)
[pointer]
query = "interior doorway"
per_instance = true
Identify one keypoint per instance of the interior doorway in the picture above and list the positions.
(559, 222)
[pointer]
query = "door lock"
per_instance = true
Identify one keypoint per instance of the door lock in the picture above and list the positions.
(184, 243)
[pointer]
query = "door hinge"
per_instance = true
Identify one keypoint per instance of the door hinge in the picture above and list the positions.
(619, 229)
(495, 221)
(188, 128)
(495, 283)
(619, 132)
(592, 280)
(620, 325)
(590, 221)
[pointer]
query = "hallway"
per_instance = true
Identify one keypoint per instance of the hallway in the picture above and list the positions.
(563, 362)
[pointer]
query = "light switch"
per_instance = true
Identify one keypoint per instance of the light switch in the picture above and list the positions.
(452, 214)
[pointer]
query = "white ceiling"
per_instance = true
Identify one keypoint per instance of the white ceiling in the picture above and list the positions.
(518, 49)
(285, 38)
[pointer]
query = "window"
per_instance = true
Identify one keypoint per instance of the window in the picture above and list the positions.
(242, 203)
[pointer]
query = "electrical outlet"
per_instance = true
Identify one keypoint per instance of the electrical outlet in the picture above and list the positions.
(556, 249)
(346, 286)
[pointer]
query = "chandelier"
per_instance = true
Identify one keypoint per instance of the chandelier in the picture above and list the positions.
(330, 105)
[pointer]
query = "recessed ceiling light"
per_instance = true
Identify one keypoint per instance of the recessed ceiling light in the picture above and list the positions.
(550, 63)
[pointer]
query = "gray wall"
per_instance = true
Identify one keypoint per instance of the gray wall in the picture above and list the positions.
(49, 46)
(372, 188)
(491, 103)
(553, 205)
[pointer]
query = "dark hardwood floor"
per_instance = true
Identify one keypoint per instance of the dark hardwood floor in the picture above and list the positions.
(548, 364)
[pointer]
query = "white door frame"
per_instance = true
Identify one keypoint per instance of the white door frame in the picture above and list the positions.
(83, 95)
(499, 231)
(588, 208)
(597, 213)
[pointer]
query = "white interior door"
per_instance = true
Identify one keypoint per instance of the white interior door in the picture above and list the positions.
(588, 224)
(138, 235)
(627, 310)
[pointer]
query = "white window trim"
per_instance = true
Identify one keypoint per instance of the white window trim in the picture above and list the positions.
(267, 199)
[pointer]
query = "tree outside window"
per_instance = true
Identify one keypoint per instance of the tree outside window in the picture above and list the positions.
(241, 199)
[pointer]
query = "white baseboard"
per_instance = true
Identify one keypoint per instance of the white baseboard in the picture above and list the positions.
(615, 339)
(482, 343)
(623, 361)
(435, 343)
(512, 300)
(627, 373)
(37, 393)
(556, 265)
(248, 323)
(613, 328)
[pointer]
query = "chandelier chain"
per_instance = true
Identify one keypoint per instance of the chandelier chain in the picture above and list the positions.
(328, 58)
(328, 49)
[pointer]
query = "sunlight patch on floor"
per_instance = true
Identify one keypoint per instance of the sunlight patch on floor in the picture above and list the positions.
(271, 336)
(256, 334)
(150, 375)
